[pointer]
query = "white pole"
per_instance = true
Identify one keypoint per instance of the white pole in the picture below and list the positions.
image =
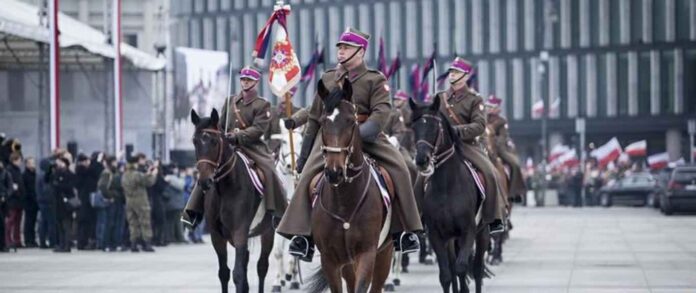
(116, 42)
(54, 74)
(229, 88)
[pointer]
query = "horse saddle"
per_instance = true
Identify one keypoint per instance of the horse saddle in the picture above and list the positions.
(257, 177)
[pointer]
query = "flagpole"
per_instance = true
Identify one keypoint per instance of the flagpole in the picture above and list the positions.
(288, 114)
(229, 88)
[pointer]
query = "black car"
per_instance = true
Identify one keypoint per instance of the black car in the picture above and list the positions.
(635, 189)
(681, 191)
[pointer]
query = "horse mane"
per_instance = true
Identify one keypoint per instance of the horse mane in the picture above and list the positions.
(332, 100)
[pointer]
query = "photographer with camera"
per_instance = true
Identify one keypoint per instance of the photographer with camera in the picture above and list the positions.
(62, 181)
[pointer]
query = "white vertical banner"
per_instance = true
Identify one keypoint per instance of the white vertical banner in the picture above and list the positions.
(118, 105)
(54, 74)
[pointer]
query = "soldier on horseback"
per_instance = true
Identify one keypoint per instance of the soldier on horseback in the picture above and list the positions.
(246, 124)
(464, 109)
(371, 97)
(505, 147)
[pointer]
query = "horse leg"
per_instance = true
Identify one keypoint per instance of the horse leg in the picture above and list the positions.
(452, 257)
(348, 274)
(220, 246)
(443, 262)
(465, 244)
(278, 256)
(381, 271)
(332, 272)
(479, 265)
(262, 264)
(364, 268)
(241, 260)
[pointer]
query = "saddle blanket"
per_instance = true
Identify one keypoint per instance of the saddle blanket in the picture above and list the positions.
(255, 179)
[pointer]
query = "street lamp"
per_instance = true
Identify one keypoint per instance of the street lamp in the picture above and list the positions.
(541, 68)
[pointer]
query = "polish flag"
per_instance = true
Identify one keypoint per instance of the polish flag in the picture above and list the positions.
(569, 159)
(637, 149)
(538, 108)
(609, 152)
(676, 163)
(557, 151)
(624, 158)
(658, 161)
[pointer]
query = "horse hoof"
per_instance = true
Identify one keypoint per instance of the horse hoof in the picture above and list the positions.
(288, 277)
(295, 286)
(282, 283)
(389, 288)
(397, 282)
(276, 289)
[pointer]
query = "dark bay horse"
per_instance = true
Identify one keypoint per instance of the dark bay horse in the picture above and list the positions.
(450, 200)
(349, 213)
(230, 203)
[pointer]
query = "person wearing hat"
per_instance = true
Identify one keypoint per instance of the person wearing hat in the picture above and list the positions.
(504, 144)
(138, 212)
(246, 124)
(398, 130)
(371, 98)
(465, 111)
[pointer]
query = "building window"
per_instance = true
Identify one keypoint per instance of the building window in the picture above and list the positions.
(212, 5)
(594, 22)
(582, 86)
(689, 85)
(644, 79)
(622, 83)
(636, 17)
(682, 20)
(659, 21)
(615, 22)
(667, 80)
(602, 85)
(562, 86)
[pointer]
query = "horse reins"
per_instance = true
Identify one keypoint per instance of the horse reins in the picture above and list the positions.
(347, 164)
(216, 164)
(438, 158)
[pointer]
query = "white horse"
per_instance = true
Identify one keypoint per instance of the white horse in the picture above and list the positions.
(287, 265)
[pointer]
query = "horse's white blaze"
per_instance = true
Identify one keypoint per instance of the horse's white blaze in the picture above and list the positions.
(333, 115)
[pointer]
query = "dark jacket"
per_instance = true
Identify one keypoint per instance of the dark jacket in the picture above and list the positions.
(16, 198)
(5, 187)
(63, 185)
(30, 201)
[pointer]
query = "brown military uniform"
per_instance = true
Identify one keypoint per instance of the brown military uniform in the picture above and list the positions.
(255, 115)
(500, 127)
(467, 116)
(298, 114)
(396, 127)
(371, 97)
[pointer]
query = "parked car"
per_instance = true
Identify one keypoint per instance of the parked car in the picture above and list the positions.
(681, 191)
(636, 190)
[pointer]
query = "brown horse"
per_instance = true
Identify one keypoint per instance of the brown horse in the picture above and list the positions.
(348, 215)
(230, 203)
(496, 256)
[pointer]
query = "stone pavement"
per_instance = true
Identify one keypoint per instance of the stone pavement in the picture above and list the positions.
(550, 250)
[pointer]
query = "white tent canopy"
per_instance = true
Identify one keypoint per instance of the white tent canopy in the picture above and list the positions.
(22, 20)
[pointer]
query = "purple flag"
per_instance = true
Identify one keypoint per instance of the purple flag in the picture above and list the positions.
(382, 60)
(395, 66)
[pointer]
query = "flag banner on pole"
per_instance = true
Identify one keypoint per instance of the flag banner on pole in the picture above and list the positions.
(658, 161)
(395, 66)
(608, 152)
(637, 149)
(381, 58)
(428, 66)
(415, 81)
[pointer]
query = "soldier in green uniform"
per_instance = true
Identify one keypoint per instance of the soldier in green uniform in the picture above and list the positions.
(299, 117)
(135, 183)
(246, 123)
(371, 98)
(505, 148)
(399, 132)
(465, 111)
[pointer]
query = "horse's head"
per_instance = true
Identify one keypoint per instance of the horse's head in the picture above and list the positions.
(208, 144)
(429, 130)
(339, 131)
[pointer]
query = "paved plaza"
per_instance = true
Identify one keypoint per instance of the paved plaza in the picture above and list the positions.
(550, 250)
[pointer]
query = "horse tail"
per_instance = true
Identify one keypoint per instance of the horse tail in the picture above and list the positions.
(318, 282)
(261, 227)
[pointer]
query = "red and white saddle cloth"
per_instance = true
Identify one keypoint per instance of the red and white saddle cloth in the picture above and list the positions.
(255, 178)
(478, 179)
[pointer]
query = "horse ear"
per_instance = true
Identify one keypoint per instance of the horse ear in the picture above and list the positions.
(194, 117)
(347, 90)
(435, 106)
(214, 117)
(412, 104)
(321, 89)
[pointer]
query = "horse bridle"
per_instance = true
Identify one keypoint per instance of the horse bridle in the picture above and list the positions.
(349, 150)
(216, 164)
(437, 159)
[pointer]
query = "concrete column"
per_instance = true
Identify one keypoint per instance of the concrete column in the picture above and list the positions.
(554, 86)
(501, 83)
(611, 90)
(484, 81)
(647, 21)
(460, 25)
(512, 24)
(573, 88)
(670, 20)
(584, 23)
(604, 27)
(518, 88)
(679, 81)
(632, 83)
(83, 11)
(565, 24)
(625, 14)
(673, 143)
(534, 83)
(529, 26)
(692, 19)
(494, 28)
(591, 74)
(655, 82)
(477, 38)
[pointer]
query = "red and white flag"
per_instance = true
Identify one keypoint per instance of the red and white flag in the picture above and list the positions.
(658, 161)
(637, 149)
(554, 109)
(538, 109)
(569, 159)
(557, 151)
(608, 152)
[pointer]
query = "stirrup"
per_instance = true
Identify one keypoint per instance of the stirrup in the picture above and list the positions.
(301, 248)
(406, 237)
